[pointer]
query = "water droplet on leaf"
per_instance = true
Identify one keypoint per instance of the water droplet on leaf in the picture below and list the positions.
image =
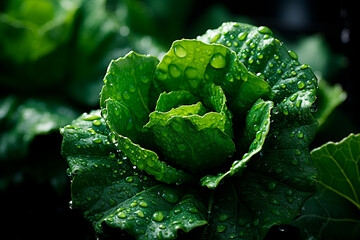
(220, 228)
(174, 71)
(300, 85)
(265, 30)
(293, 54)
(180, 51)
(158, 216)
(218, 61)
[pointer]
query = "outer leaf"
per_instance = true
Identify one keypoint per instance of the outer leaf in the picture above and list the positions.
(285, 157)
(102, 177)
(293, 84)
(247, 206)
(109, 190)
(339, 167)
(256, 130)
(190, 64)
(333, 213)
(148, 161)
(158, 213)
(329, 98)
(128, 81)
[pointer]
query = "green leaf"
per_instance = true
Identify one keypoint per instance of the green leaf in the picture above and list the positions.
(158, 213)
(35, 28)
(256, 129)
(149, 161)
(293, 84)
(109, 190)
(128, 84)
(205, 84)
(190, 64)
(180, 132)
(339, 167)
(174, 99)
(285, 157)
(333, 213)
(329, 97)
(247, 206)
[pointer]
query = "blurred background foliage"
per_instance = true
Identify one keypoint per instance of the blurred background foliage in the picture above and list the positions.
(54, 54)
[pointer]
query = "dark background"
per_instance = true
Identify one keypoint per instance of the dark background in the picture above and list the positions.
(34, 208)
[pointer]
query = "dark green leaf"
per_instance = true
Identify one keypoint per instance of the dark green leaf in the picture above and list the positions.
(333, 213)
(149, 161)
(110, 190)
(174, 99)
(158, 213)
(256, 129)
(329, 97)
(293, 84)
(339, 168)
(128, 83)
(180, 132)
(247, 206)
(190, 64)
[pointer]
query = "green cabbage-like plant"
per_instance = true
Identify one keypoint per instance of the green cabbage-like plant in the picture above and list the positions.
(214, 136)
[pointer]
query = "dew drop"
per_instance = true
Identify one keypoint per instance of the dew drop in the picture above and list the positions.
(275, 110)
(145, 79)
(122, 215)
(129, 179)
(300, 85)
(150, 162)
(132, 88)
(97, 140)
(170, 196)
(285, 111)
(288, 192)
(293, 54)
(218, 61)
(143, 204)
(220, 228)
(294, 161)
(271, 186)
(242, 36)
(96, 122)
(215, 38)
(126, 95)
(140, 213)
(223, 217)
(304, 66)
(258, 135)
(275, 202)
(193, 210)
(191, 72)
(158, 216)
(300, 134)
(265, 30)
(174, 71)
(180, 51)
